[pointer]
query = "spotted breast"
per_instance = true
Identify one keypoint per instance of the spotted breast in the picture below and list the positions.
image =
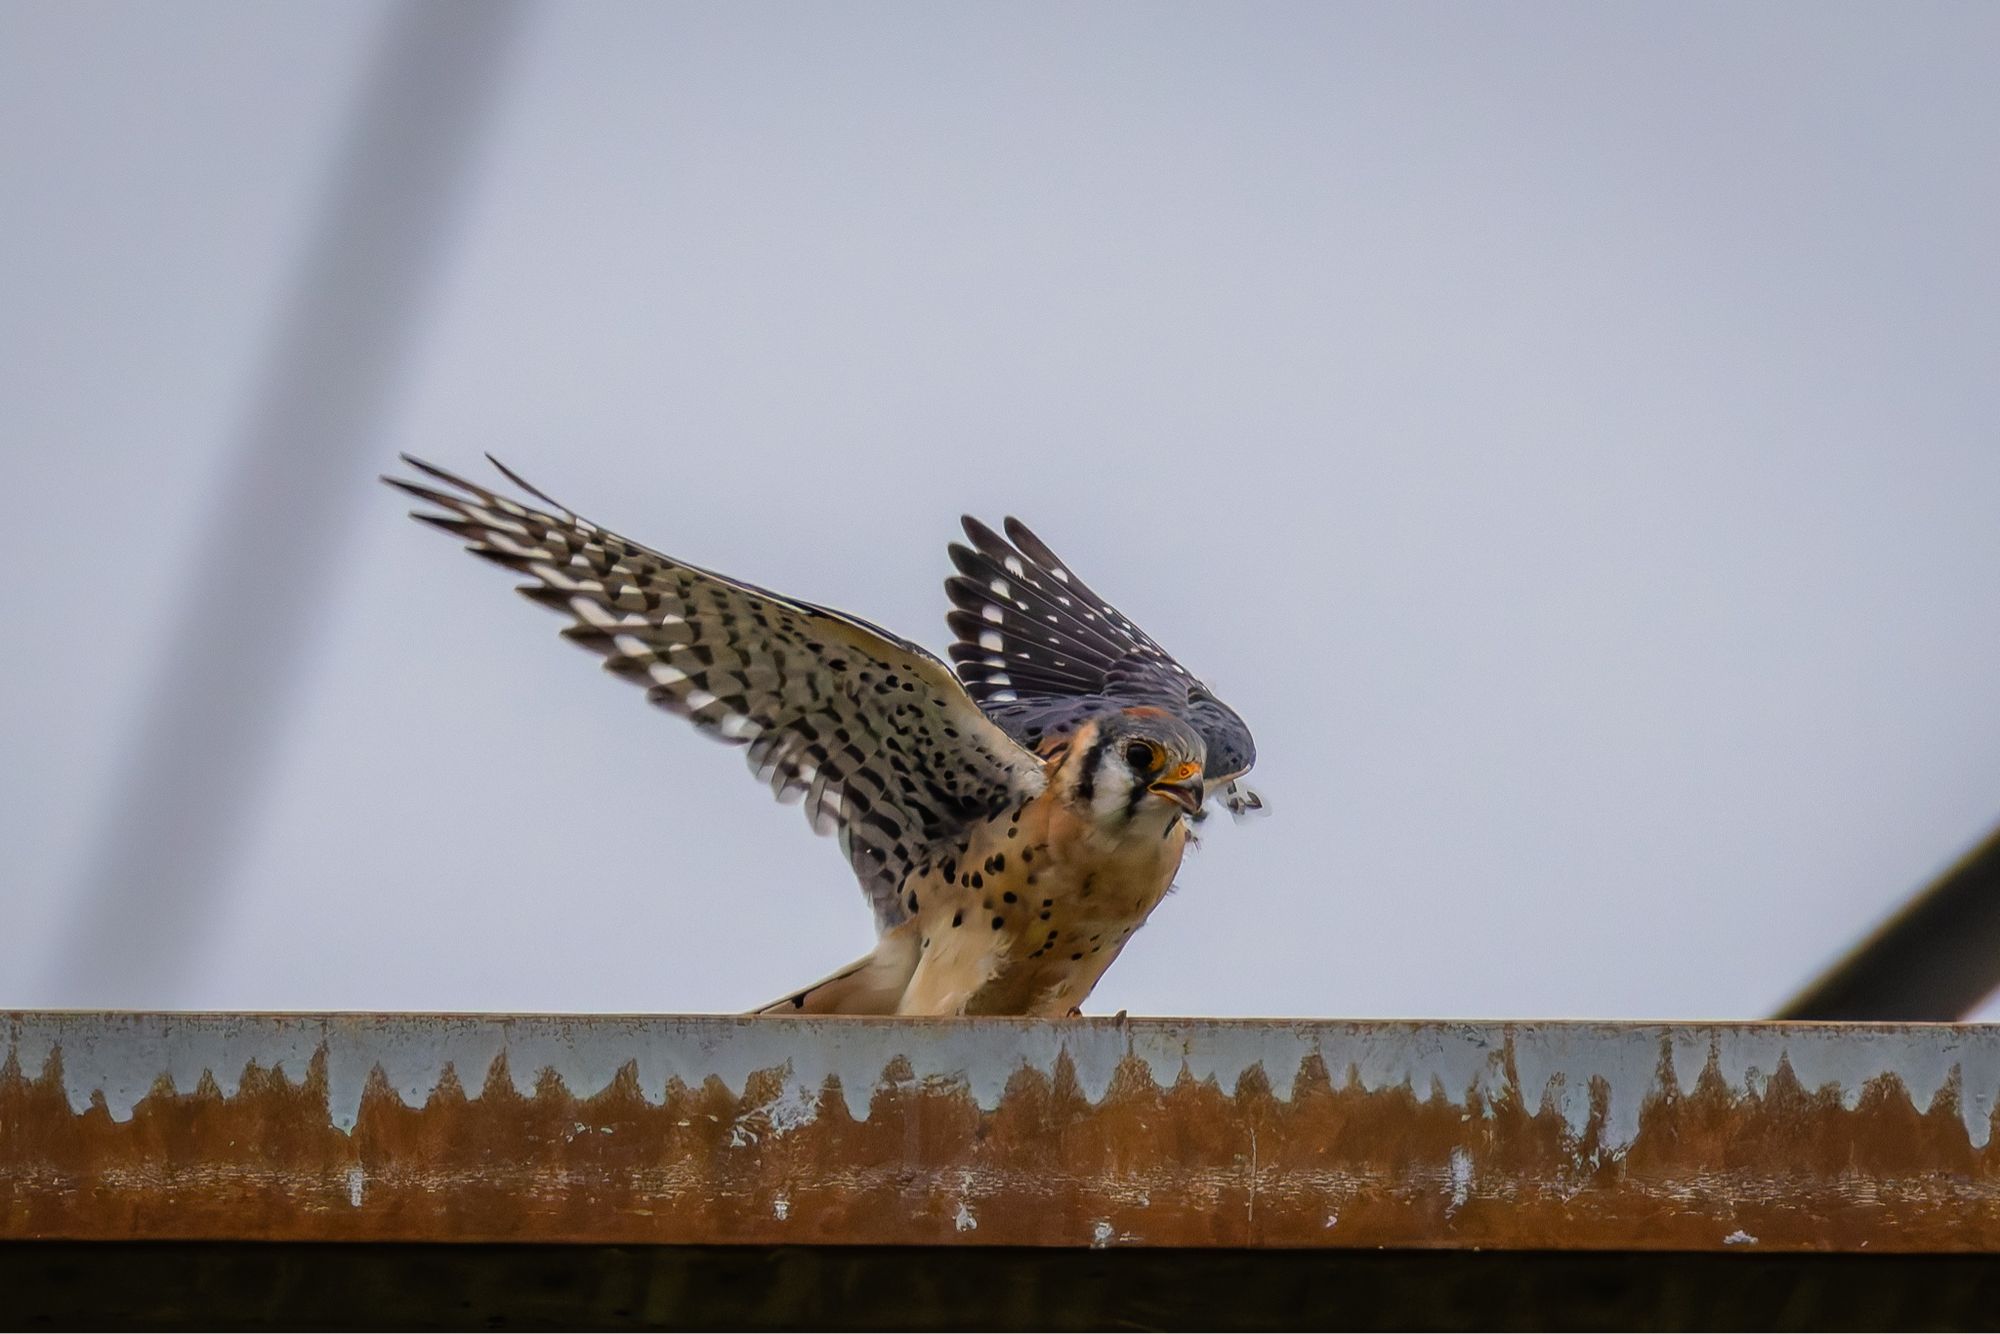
(1026, 913)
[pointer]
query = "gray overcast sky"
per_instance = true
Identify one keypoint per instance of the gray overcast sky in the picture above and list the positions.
(1567, 433)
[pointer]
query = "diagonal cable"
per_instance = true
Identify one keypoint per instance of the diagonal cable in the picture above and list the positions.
(1935, 959)
(182, 804)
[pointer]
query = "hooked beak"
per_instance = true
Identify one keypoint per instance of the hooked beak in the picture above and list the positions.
(1183, 787)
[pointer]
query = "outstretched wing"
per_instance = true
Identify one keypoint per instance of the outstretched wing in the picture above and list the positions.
(1041, 651)
(886, 748)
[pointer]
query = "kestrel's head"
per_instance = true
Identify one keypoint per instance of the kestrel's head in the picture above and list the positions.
(1136, 765)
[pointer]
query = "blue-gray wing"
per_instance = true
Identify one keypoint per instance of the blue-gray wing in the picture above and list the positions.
(1042, 652)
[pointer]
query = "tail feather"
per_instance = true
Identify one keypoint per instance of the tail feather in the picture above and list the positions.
(872, 984)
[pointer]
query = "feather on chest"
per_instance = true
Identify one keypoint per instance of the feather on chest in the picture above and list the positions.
(1027, 918)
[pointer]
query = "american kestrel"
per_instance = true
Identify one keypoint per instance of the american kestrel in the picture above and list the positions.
(1011, 829)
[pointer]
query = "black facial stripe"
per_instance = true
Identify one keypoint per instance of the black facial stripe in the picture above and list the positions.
(1087, 785)
(1133, 798)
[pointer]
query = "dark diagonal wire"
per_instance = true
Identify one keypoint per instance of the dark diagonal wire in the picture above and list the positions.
(179, 809)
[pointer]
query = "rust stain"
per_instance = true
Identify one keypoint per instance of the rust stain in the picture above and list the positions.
(1758, 1161)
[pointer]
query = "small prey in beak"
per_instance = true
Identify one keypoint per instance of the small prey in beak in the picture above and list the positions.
(1183, 787)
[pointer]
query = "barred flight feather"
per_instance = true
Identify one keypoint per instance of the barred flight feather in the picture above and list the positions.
(1043, 652)
(874, 735)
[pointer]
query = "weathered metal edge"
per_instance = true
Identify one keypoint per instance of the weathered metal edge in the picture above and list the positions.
(1094, 1132)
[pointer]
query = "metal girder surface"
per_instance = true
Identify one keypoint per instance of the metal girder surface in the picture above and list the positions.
(1087, 1133)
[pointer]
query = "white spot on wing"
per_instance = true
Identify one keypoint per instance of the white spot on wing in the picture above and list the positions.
(554, 577)
(500, 521)
(499, 541)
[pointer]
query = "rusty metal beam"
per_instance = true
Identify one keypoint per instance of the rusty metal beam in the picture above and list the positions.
(1092, 1133)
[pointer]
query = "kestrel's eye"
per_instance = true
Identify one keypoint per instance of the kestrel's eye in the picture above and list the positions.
(1143, 756)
